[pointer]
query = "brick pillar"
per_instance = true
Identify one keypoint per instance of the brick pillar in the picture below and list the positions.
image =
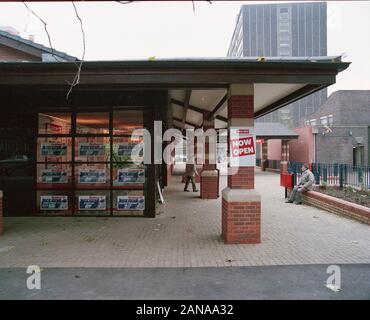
(284, 156)
(241, 204)
(264, 156)
(1, 212)
(209, 174)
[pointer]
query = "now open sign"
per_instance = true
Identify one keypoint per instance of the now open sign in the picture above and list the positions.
(242, 147)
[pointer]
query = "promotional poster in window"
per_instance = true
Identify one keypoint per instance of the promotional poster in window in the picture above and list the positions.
(91, 149)
(92, 203)
(53, 149)
(54, 202)
(53, 176)
(130, 203)
(130, 175)
(92, 176)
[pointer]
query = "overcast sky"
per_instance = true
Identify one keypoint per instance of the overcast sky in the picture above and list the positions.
(171, 29)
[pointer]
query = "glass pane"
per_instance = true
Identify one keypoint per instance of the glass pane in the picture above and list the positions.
(127, 149)
(128, 203)
(54, 176)
(125, 121)
(55, 123)
(92, 123)
(128, 176)
(92, 175)
(92, 149)
(54, 149)
(92, 202)
(54, 202)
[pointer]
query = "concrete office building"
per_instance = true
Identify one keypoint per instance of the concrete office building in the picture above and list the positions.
(283, 30)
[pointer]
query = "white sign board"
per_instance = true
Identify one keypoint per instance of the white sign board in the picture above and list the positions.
(92, 203)
(242, 147)
(54, 202)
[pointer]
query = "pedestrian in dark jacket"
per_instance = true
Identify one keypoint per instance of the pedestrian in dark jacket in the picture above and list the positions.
(190, 172)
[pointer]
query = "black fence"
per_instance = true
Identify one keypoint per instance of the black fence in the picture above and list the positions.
(335, 174)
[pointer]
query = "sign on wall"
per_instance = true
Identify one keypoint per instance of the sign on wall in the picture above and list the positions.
(131, 175)
(54, 202)
(130, 202)
(92, 176)
(92, 203)
(53, 176)
(53, 149)
(242, 147)
(91, 149)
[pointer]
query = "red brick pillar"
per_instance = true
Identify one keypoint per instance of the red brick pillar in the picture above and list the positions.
(241, 204)
(209, 175)
(1, 212)
(264, 156)
(284, 156)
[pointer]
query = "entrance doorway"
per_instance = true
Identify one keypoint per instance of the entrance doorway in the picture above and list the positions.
(358, 156)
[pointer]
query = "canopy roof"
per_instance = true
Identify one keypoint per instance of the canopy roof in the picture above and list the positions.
(196, 85)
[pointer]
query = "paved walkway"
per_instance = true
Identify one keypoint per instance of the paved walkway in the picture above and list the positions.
(187, 234)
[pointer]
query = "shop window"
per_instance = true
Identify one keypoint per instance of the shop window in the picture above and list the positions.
(54, 176)
(128, 203)
(92, 175)
(128, 175)
(92, 202)
(92, 149)
(127, 149)
(92, 123)
(51, 149)
(126, 121)
(54, 123)
(54, 202)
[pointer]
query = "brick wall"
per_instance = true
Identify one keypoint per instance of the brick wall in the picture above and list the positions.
(209, 187)
(337, 206)
(10, 54)
(244, 179)
(241, 222)
(274, 149)
(237, 107)
(302, 149)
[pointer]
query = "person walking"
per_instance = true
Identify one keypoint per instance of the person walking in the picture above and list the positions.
(190, 172)
(305, 184)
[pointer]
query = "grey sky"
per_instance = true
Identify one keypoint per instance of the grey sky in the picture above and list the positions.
(165, 29)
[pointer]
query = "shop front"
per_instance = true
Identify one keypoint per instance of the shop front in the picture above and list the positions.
(76, 155)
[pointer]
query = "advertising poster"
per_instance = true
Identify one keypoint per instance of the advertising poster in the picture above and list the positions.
(130, 202)
(92, 176)
(130, 175)
(242, 147)
(125, 149)
(92, 203)
(91, 149)
(54, 202)
(53, 176)
(53, 149)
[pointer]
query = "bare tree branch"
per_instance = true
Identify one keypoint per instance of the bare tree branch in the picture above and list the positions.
(76, 79)
(45, 27)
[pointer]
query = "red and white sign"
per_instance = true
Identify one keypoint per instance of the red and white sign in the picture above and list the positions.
(242, 147)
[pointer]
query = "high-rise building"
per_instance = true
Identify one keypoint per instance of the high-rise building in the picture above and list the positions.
(283, 30)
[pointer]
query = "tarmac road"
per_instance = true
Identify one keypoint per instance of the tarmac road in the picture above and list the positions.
(232, 283)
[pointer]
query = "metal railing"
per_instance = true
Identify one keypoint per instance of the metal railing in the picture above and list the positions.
(337, 174)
